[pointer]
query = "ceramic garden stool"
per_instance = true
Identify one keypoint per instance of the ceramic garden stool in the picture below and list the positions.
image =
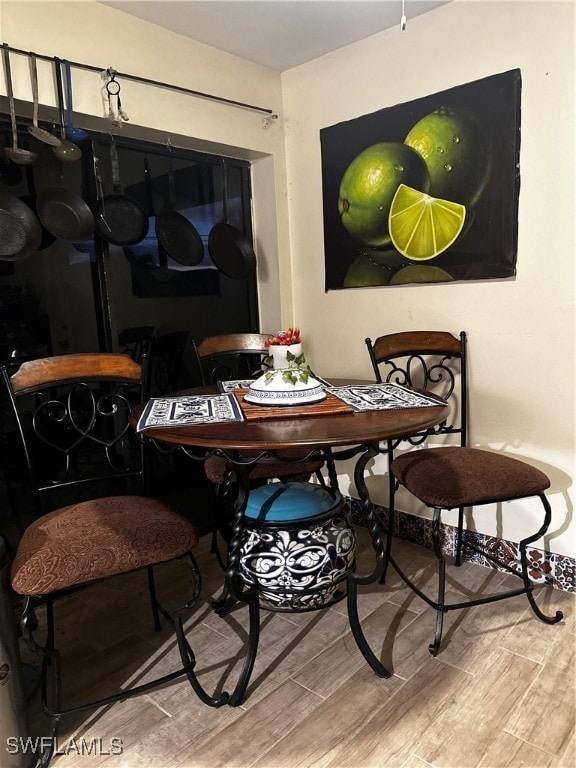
(298, 546)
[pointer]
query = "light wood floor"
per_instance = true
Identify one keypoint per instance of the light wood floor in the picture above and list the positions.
(500, 694)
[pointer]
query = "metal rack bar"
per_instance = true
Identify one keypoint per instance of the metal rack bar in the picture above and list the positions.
(155, 83)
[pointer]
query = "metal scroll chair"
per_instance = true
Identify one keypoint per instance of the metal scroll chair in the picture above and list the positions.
(81, 455)
(452, 476)
(136, 341)
(232, 356)
(240, 356)
(167, 361)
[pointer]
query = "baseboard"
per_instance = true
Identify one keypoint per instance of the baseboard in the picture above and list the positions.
(544, 567)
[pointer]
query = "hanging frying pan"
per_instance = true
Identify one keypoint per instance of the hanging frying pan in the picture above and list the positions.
(20, 231)
(144, 255)
(176, 234)
(65, 214)
(119, 219)
(230, 249)
(31, 199)
(162, 273)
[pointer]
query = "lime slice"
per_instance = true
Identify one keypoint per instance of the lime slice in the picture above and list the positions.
(421, 226)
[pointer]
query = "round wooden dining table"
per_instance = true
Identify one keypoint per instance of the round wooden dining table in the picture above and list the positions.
(332, 436)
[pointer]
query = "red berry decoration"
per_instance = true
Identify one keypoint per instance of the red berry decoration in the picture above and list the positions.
(285, 338)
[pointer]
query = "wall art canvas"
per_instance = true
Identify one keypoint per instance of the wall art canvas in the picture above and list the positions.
(425, 191)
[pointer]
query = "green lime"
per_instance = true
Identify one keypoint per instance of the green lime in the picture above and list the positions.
(456, 154)
(420, 273)
(422, 226)
(363, 273)
(369, 184)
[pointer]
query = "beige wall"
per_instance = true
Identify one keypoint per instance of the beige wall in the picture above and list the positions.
(521, 331)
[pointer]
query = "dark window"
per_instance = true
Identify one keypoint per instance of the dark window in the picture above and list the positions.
(82, 296)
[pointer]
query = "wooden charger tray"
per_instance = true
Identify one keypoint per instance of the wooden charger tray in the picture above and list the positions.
(327, 407)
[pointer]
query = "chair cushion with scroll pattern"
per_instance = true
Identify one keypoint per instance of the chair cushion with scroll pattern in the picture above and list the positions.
(451, 477)
(94, 539)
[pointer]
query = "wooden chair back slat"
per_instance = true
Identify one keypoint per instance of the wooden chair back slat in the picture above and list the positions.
(233, 342)
(90, 365)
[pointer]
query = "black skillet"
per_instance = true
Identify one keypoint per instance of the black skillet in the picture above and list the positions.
(231, 251)
(20, 230)
(119, 219)
(176, 234)
(65, 214)
(31, 199)
(143, 255)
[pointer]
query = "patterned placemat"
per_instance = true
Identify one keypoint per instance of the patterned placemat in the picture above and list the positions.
(380, 397)
(230, 386)
(189, 409)
(325, 407)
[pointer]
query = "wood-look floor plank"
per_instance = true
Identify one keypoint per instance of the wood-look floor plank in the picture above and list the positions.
(343, 658)
(463, 731)
(285, 647)
(568, 758)
(547, 642)
(260, 730)
(414, 762)
(125, 722)
(397, 723)
(306, 745)
(177, 739)
(218, 660)
(469, 633)
(506, 751)
(546, 714)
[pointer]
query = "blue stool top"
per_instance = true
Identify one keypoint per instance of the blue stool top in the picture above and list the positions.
(283, 502)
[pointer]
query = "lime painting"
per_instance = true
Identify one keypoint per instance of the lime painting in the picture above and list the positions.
(425, 191)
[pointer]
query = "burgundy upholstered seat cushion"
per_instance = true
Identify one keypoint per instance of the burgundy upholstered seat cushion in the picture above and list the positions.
(458, 477)
(94, 539)
(215, 468)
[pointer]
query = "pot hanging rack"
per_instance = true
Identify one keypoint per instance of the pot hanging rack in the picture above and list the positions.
(268, 114)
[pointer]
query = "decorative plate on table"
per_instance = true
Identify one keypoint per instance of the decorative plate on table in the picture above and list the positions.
(284, 386)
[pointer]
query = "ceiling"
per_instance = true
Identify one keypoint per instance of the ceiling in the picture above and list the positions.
(278, 34)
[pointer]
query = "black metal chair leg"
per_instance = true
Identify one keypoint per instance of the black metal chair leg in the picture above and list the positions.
(50, 679)
(215, 549)
(392, 486)
(434, 647)
(213, 541)
(460, 536)
(45, 757)
(153, 599)
(524, 565)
